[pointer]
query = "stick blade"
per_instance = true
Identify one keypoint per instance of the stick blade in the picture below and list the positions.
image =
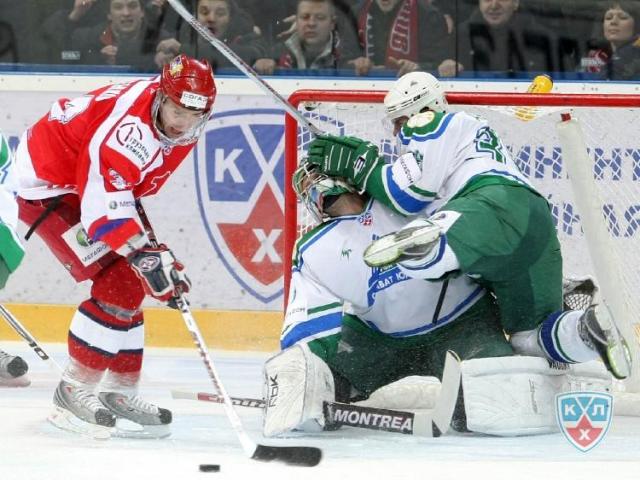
(299, 456)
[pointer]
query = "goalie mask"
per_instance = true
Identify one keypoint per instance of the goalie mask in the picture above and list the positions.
(189, 84)
(317, 191)
(413, 92)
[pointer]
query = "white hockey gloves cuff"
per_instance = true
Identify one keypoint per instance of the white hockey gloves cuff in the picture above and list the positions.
(297, 382)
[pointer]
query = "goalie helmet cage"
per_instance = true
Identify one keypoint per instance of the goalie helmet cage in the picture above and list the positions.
(528, 125)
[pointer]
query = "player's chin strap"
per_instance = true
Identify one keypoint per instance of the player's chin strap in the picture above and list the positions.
(305, 456)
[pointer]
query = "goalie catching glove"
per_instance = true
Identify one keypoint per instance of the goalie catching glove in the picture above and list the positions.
(162, 276)
(347, 157)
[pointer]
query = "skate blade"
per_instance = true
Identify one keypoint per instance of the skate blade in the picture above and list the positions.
(620, 359)
(65, 420)
(21, 381)
(618, 353)
(388, 249)
(127, 429)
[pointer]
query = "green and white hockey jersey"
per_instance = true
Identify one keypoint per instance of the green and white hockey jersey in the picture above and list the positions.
(11, 251)
(329, 274)
(447, 153)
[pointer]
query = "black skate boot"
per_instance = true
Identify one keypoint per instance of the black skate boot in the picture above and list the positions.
(13, 371)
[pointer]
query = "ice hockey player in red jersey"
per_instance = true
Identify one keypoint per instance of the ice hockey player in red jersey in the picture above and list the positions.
(80, 170)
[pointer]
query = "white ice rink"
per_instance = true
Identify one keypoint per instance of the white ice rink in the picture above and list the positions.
(31, 448)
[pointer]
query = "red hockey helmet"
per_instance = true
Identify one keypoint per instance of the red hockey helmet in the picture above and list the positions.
(189, 83)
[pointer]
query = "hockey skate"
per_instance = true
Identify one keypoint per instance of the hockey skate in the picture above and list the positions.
(79, 410)
(13, 371)
(598, 331)
(136, 418)
(409, 243)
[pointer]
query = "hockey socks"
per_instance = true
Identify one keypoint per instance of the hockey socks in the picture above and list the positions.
(560, 339)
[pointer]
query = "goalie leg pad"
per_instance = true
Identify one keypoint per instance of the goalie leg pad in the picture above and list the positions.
(511, 396)
(297, 382)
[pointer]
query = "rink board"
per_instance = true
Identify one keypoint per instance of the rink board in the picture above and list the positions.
(228, 330)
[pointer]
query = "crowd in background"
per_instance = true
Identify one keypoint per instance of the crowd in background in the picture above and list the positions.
(594, 39)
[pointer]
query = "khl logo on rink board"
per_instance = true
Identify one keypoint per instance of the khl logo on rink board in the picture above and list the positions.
(239, 166)
(584, 417)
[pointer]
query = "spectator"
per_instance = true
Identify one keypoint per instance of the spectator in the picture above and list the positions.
(125, 38)
(20, 30)
(617, 54)
(8, 44)
(497, 38)
(273, 19)
(315, 44)
(228, 23)
(402, 35)
(58, 27)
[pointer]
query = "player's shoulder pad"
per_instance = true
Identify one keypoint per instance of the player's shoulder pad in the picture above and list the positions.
(423, 123)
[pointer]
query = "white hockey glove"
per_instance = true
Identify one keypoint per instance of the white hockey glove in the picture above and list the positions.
(162, 276)
(297, 382)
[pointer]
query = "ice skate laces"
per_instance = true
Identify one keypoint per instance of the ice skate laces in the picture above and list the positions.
(86, 399)
(137, 403)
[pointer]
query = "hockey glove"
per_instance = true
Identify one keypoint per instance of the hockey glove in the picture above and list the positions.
(162, 276)
(347, 157)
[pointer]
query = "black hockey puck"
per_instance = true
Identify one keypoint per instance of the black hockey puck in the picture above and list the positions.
(209, 467)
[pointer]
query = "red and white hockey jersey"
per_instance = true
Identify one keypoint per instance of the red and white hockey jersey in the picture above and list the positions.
(103, 147)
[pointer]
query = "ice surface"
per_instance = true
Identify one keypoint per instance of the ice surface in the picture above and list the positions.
(31, 448)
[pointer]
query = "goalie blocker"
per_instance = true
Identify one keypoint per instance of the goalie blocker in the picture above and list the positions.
(504, 396)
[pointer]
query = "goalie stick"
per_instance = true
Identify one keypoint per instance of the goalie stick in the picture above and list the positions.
(432, 424)
(340, 414)
(224, 49)
(303, 456)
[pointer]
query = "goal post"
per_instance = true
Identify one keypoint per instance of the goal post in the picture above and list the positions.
(597, 158)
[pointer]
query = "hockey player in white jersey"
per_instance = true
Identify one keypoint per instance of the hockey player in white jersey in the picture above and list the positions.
(13, 369)
(350, 329)
(476, 215)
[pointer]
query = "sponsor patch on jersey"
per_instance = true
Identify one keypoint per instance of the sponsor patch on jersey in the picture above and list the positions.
(116, 180)
(134, 140)
(584, 417)
(239, 167)
(193, 100)
(366, 219)
(406, 170)
(120, 205)
(83, 247)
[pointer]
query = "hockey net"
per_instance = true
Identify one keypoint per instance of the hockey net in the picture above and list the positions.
(611, 126)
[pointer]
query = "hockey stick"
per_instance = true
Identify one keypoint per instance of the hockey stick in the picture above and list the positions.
(24, 333)
(342, 414)
(304, 456)
(224, 49)
(432, 424)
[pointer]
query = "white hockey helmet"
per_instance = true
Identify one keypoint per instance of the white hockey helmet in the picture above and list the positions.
(411, 93)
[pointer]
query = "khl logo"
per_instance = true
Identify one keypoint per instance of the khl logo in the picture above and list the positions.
(584, 417)
(239, 167)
